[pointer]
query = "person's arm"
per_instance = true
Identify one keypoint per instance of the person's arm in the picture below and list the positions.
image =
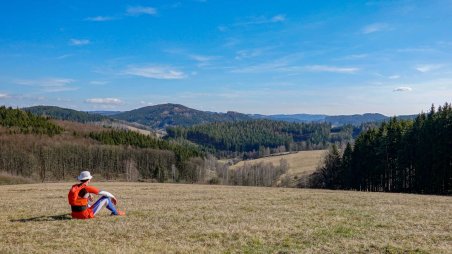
(109, 195)
(94, 190)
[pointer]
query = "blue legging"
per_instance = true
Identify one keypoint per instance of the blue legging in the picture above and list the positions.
(96, 207)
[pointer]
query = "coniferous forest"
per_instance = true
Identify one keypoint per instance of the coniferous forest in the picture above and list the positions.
(399, 156)
(257, 138)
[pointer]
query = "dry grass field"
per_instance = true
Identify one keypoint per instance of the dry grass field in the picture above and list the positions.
(171, 218)
(301, 164)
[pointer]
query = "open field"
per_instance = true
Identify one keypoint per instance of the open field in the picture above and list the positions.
(300, 164)
(174, 218)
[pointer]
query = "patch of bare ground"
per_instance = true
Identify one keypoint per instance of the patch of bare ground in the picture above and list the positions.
(177, 218)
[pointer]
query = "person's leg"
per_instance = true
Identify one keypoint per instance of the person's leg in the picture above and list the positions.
(96, 207)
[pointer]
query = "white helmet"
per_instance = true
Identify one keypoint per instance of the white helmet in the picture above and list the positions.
(84, 175)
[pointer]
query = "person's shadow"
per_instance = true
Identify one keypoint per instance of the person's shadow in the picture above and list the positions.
(45, 218)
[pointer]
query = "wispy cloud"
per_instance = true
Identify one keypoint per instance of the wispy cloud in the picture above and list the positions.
(402, 89)
(278, 18)
(44, 82)
(100, 18)
(105, 101)
(49, 84)
(98, 82)
(63, 56)
(4, 96)
(264, 67)
(249, 53)
(417, 50)
(262, 20)
(79, 42)
(335, 69)
(283, 66)
(375, 27)
(146, 103)
(428, 67)
(156, 72)
(202, 58)
(394, 77)
(353, 57)
(141, 10)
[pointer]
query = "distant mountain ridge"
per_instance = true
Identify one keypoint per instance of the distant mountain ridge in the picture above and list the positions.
(338, 120)
(103, 112)
(163, 115)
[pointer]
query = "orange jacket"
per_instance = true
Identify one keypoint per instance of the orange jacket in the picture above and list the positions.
(78, 199)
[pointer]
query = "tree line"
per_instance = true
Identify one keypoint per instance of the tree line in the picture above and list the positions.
(19, 121)
(258, 138)
(36, 148)
(399, 156)
(64, 114)
(183, 151)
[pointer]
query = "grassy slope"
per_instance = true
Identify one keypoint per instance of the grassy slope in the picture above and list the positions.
(216, 219)
(300, 163)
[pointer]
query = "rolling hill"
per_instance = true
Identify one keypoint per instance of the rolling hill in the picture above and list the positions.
(161, 116)
(64, 114)
(164, 115)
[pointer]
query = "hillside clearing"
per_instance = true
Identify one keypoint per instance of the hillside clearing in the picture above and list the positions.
(301, 164)
(180, 218)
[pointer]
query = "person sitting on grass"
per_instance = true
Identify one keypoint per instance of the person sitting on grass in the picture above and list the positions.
(80, 199)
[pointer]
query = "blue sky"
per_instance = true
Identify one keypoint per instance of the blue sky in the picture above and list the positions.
(268, 57)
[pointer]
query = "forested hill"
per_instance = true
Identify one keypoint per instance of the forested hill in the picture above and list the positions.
(355, 119)
(256, 138)
(41, 149)
(164, 115)
(161, 116)
(64, 114)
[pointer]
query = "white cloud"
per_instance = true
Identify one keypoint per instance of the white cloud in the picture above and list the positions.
(49, 84)
(201, 58)
(244, 54)
(107, 101)
(428, 67)
(46, 82)
(264, 67)
(98, 82)
(146, 103)
(63, 56)
(278, 18)
(156, 72)
(141, 10)
(353, 57)
(262, 20)
(394, 77)
(99, 18)
(4, 96)
(375, 27)
(402, 89)
(325, 68)
(79, 42)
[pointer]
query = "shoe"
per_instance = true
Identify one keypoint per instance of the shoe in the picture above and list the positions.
(121, 213)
